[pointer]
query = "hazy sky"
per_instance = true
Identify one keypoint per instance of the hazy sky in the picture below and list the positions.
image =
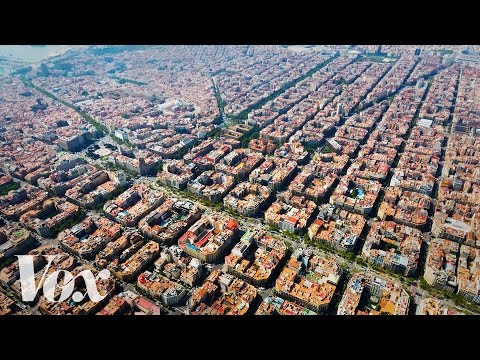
(31, 53)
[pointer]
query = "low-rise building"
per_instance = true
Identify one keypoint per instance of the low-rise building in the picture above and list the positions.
(468, 273)
(458, 190)
(7, 305)
(342, 145)
(293, 151)
(130, 303)
(384, 138)
(88, 237)
(329, 163)
(309, 280)
(237, 131)
(386, 297)
(142, 163)
(369, 169)
(424, 163)
(426, 140)
(140, 260)
(264, 146)
(247, 198)
(314, 131)
(10, 274)
(290, 212)
(5, 180)
(209, 237)
(404, 207)
(273, 305)
(14, 240)
(274, 172)
(47, 218)
(222, 294)
(105, 287)
(116, 306)
(441, 264)
(312, 185)
(167, 222)
(393, 246)
(115, 248)
(351, 133)
(433, 306)
(412, 180)
(212, 185)
(256, 257)
(457, 222)
(337, 228)
(18, 202)
(239, 163)
(131, 205)
(356, 194)
(172, 145)
(208, 153)
(176, 173)
(161, 288)
(93, 188)
(379, 151)
(65, 176)
(175, 265)
(75, 142)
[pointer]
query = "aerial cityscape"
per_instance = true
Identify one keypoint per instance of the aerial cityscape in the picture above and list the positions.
(241, 179)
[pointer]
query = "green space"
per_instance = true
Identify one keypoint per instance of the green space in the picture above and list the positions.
(378, 58)
(247, 138)
(194, 197)
(109, 165)
(70, 222)
(84, 115)
(5, 189)
(288, 243)
(220, 102)
(99, 206)
(22, 71)
(458, 300)
(121, 142)
(445, 51)
(19, 233)
(360, 261)
(354, 193)
(243, 115)
(309, 149)
(371, 304)
(327, 149)
(321, 246)
(290, 235)
(272, 228)
(114, 49)
(216, 133)
(7, 262)
(386, 246)
(121, 80)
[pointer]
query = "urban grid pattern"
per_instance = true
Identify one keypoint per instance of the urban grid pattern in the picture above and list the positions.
(231, 180)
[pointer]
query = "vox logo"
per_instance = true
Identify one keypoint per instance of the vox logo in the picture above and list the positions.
(50, 282)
